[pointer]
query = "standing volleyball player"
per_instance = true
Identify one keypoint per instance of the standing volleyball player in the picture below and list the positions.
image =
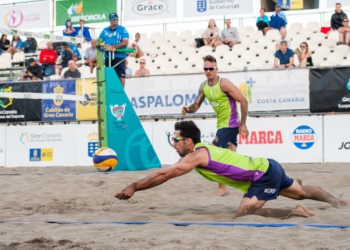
(222, 96)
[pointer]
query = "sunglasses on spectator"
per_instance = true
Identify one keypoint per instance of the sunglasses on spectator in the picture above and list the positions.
(177, 139)
(302, 46)
(113, 19)
(209, 69)
(345, 21)
(142, 63)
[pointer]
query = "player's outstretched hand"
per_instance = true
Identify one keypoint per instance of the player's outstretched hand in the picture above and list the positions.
(243, 131)
(185, 110)
(126, 193)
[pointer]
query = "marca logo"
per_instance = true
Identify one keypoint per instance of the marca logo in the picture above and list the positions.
(93, 143)
(262, 137)
(344, 145)
(304, 137)
(9, 102)
(118, 111)
(150, 7)
(13, 19)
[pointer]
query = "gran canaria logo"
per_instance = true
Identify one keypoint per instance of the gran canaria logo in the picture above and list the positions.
(9, 103)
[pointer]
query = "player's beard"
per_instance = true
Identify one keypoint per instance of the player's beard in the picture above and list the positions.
(183, 151)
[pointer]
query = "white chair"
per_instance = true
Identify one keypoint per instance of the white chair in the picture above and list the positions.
(221, 63)
(6, 55)
(318, 37)
(159, 60)
(294, 45)
(291, 33)
(257, 48)
(64, 71)
(306, 32)
(317, 59)
(157, 72)
(166, 48)
(330, 43)
(193, 70)
(327, 64)
(55, 77)
(178, 42)
(199, 33)
(247, 41)
(327, 24)
(155, 35)
(185, 33)
(335, 57)
(221, 50)
(226, 68)
(273, 34)
(271, 46)
(170, 35)
(299, 38)
(323, 51)
(230, 57)
(143, 35)
(248, 55)
(296, 26)
(313, 45)
(266, 55)
(178, 59)
(85, 71)
(184, 66)
(342, 49)
(314, 26)
(248, 28)
(258, 63)
(84, 46)
(5, 63)
(172, 71)
(334, 35)
(195, 58)
(265, 41)
(345, 63)
(166, 66)
(238, 49)
(190, 41)
(243, 34)
(18, 57)
(42, 44)
(256, 35)
(188, 51)
(239, 64)
(205, 50)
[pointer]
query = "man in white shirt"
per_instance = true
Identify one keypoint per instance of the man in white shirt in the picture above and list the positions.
(91, 55)
(139, 46)
(284, 37)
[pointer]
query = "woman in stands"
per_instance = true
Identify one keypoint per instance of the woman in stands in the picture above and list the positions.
(69, 30)
(304, 57)
(262, 21)
(212, 34)
(4, 44)
(16, 45)
(344, 32)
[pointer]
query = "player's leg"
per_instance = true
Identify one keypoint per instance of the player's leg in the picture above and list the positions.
(225, 138)
(298, 192)
(347, 37)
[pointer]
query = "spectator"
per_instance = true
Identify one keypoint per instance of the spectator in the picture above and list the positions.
(30, 45)
(82, 31)
(229, 36)
(74, 50)
(47, 57)
(4, 43)
(211, 35)
(337, 17)
(16, 45)
(91, 55)
(278, 20)
(262, 21)
(344, 32)
(72, 72)
(304, 57)
(284, 37)
(115, 37)
(285, 57)
(66, 56)
(69, 30)
(128, 71)
(139, 46)
(142, 71)
(34, 71)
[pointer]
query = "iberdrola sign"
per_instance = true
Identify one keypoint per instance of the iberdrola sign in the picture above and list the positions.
(91, 11)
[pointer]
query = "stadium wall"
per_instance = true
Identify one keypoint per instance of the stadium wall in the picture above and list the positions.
(288, 140)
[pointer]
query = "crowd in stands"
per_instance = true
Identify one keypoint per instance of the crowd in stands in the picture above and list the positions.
(64, 59)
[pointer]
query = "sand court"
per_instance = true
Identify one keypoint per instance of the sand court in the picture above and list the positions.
(30, 196)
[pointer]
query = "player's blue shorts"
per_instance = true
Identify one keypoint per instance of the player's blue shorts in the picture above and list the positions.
(224, 136)
(270, 184)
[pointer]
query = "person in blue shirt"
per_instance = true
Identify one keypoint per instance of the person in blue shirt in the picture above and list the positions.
(262, 21)
(115, 37)
(82, 31)
(74, 50)
(284, 57)
(278, 20)
(16, 45)
(69, 30)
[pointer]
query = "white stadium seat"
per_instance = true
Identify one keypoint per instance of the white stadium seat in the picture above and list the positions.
(323, 51)
(342, 49)
(317, 59)
(222, 49)
(240, 64)
(327, 64)
(297, 27)
(306, 32)
(248, 55)
(205, 50)
(256, 35)
(238, 49)
(257, 48)
(330, 43)
(335, 57)
(334, 34)
(230, 57)
(170, 35)
(265, 41)
(299, 38)
(196, 58)
(248, 28)
(318, 37)
(188, 51)
(184, 66)
(273, 34)
(199, 33)
(314, 26)
(185, 33)
(258, 63)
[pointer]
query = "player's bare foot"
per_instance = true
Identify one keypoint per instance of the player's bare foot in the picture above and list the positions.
(301, 210)
(343, 202)
(221, 191)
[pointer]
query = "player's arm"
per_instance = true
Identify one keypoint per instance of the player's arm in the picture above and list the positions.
(197, 103)
(159, 177)
(229, 88)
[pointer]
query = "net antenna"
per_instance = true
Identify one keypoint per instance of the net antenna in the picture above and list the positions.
(52, 96)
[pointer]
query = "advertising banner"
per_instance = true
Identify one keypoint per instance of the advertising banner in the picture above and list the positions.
(330, 90)
(59, 109)
(87, 143)
(26, 16)
(89, 10)
(331, 3)
(41, 146)
(287, 140)
(201, 8)
(337, 138)
(87, 109)
(2, 145)
(145, 10)
(17, 110)
(264, 90)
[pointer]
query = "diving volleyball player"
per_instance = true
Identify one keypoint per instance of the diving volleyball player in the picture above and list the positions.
(260, 179)
(222, 96)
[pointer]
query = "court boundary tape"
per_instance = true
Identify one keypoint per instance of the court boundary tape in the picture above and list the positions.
(216, 224)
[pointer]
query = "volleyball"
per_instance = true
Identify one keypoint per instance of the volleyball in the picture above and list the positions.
(105, 159)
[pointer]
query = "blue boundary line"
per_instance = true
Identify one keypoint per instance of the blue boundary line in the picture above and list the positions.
(217, 224)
